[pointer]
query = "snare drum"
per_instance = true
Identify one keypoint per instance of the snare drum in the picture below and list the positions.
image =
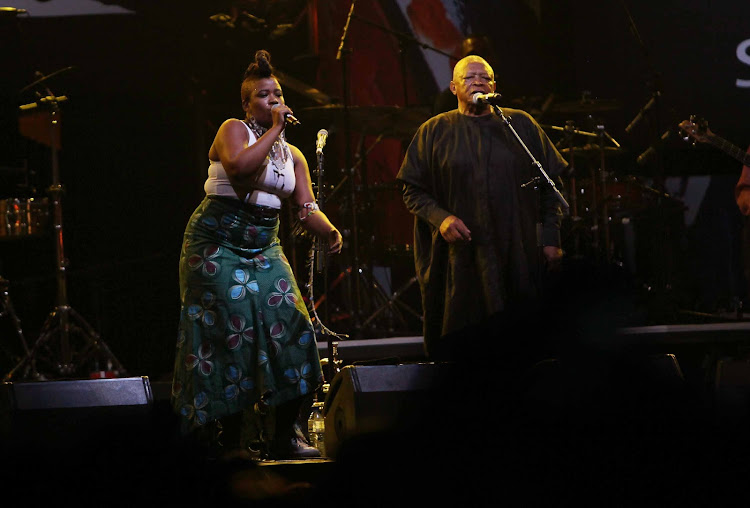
(23, 216)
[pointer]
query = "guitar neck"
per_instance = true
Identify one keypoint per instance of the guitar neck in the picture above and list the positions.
(730, 149)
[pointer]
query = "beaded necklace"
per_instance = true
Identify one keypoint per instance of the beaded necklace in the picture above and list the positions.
(278, 154)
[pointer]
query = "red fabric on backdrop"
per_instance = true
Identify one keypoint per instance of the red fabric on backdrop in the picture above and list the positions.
(374, 78)
(432, 25)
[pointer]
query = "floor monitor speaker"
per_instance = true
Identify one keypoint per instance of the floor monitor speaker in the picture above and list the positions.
(366, 399)
(71, 412)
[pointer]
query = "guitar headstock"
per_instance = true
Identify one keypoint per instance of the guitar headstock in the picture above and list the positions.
(696, 128)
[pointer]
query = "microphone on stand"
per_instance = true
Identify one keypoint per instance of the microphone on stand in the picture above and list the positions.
(321, 142)
(487, 98)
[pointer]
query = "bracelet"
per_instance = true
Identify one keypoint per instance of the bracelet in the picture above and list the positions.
(311, 209)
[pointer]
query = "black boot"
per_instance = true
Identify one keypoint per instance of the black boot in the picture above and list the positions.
(305, 410)
(288, 441)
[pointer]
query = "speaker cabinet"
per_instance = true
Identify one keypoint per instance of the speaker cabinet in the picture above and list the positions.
(732, 390)
(366, 399)
(68, 413)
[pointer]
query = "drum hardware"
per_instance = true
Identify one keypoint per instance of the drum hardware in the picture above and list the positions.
(593, 199)
(586, 105)
(600, 176)
(42, 78)
(399, 122)
(391, 303)
(23, 216)
(341, 182)
(569, 132)
(54, 346)
(7, 309)
(381, 121)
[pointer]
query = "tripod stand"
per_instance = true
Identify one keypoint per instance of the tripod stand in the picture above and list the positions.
(6, 308)
(66, 341)
(393, 305)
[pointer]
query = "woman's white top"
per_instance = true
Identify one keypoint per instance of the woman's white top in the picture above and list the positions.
(270, 185)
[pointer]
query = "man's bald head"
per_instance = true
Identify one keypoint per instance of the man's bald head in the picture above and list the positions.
(459, 69)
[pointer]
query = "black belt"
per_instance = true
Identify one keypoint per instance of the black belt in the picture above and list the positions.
(260, 211)
(265, 212)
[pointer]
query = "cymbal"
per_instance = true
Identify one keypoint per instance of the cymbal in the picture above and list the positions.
(389, 121)
(42, 78)
(563, 129)
(585, 106)
(592, 150)
(302, 88)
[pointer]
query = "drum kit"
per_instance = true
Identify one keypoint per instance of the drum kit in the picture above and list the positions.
(608, 206)
(67, 345)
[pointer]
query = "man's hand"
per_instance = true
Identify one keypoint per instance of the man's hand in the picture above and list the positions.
(454, 230)
(743, 201)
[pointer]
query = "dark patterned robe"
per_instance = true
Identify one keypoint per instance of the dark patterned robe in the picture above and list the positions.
(474, 168)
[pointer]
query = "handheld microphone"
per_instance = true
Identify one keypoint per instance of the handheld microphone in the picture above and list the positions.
(321, 143)
(290, 119)
(486, 98)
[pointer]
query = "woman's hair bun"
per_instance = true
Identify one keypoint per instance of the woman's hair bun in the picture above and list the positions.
(261, 67)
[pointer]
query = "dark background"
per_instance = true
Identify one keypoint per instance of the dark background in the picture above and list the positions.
(148, 91)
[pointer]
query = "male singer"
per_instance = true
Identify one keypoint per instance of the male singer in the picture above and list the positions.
(485, 229)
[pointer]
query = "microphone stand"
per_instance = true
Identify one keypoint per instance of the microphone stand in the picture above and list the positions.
(544, 175)
(343, 54)
(321, 265)
(535, 180)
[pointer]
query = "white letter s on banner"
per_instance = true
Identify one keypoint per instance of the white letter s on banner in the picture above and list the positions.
(743, 57)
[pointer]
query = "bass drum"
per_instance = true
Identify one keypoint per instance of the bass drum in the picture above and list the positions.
(23, 216)
(621, 194)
